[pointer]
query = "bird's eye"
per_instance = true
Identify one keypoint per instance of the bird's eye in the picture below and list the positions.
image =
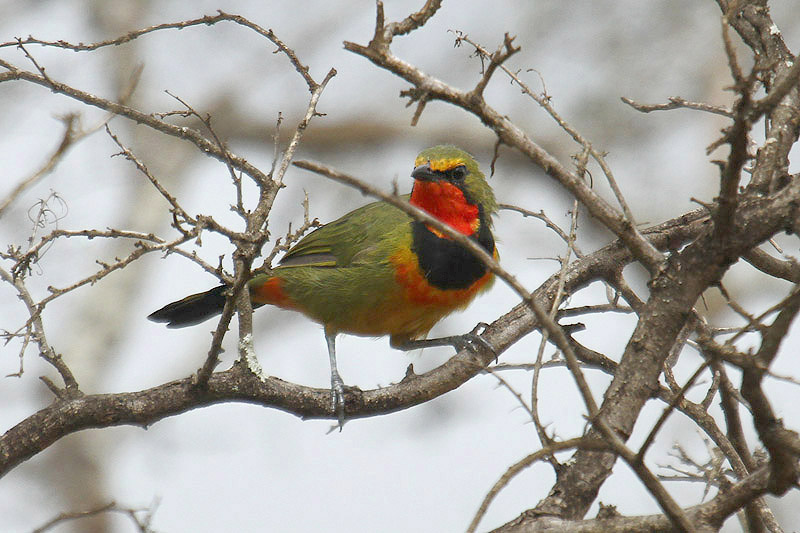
(459, 172)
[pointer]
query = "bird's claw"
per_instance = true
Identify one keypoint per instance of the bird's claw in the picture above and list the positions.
(337, 398)
(472, 339)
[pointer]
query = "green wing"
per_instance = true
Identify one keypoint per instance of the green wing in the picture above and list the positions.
(357, 237)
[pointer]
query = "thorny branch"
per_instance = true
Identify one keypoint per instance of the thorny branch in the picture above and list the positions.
(72, 135)
(246, 252)
(543, 100)
(239, 384)
(208, 20)
(508, 133)
(141, 518)
(69, 138)
(34, 329)
(725, 248)
(684, 257)
(676, 102)
(543, 438)
(248, 243)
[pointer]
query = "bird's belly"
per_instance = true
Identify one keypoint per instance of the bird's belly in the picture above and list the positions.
(407, 313)
(413, 306)
(394, 298)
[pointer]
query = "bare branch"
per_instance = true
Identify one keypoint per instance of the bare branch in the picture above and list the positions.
(513, 136)
(787, 81)
(70, 136)
(384, 33)
(783, 444)
(246, 252)
(142, 524)
(33, 435)
(522, 464)
(207, 20)
(180, 132)
(37, 333)
(497, 59)
(676, 102)
(548, 222)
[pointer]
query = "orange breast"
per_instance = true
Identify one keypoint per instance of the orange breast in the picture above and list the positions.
(417, 291)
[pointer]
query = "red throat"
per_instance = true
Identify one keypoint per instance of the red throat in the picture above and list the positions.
(446, 202)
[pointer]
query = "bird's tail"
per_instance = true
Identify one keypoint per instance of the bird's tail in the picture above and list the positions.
(192, 310)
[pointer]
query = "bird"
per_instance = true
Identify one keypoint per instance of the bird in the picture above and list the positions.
(377, 271)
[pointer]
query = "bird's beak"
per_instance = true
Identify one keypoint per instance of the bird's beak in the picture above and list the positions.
(425, 173)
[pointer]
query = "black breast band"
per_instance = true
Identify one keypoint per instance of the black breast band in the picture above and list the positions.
(445, 263)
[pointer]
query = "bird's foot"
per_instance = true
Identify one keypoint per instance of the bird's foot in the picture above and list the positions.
(470, 341)
(337, 397)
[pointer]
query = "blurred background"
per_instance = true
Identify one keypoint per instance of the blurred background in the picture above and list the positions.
(237, 467)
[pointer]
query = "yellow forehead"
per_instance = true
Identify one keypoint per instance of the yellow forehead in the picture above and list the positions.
(440, 164)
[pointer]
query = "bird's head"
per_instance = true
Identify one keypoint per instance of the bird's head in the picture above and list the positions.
(449, 184)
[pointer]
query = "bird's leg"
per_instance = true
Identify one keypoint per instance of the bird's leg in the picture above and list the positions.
(337, 385)
(459, 342)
